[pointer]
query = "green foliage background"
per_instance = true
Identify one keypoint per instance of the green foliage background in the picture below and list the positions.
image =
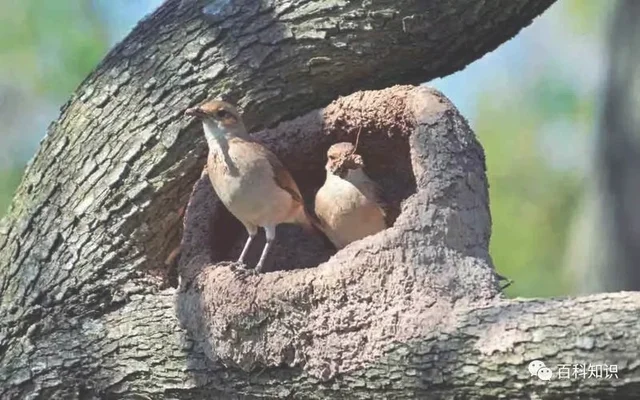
(538, 137)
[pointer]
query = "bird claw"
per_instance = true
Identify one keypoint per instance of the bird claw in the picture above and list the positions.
(239, 269)
(243, 272)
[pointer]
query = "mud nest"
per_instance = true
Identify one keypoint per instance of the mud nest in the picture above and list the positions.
(389, 287)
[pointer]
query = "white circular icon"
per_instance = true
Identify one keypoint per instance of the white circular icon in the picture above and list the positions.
(534, 366)
(545, 374)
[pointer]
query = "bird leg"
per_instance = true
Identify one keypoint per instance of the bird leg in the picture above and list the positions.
(270, 233)
(247, 244)
(244, 272)
(265, 251)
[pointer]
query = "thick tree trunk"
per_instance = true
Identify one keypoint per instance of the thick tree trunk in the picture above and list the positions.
(86, 311)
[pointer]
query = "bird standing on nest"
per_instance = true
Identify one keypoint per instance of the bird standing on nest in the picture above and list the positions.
(248, 178)
(348, 205)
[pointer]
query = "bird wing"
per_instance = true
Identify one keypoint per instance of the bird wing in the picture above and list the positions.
(281, 175)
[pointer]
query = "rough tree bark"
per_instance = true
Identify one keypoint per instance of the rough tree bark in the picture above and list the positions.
(87, 311)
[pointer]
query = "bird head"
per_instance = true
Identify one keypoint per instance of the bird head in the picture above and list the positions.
(219, 118)
(341, 158)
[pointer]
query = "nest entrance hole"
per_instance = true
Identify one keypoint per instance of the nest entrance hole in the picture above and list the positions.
(301, 144)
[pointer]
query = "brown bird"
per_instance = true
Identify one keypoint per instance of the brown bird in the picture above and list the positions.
(248, 178)
(348, 205)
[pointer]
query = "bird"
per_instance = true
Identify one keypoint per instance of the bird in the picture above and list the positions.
(248, 178)
(349, 205)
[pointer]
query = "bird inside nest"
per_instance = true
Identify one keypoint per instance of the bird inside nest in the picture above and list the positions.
(349, 205)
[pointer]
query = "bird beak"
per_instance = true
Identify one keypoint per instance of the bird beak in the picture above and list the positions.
(194, 112)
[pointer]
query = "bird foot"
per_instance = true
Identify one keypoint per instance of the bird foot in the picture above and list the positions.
(242, 272)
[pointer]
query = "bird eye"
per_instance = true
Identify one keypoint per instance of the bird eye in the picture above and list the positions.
(222, 114)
